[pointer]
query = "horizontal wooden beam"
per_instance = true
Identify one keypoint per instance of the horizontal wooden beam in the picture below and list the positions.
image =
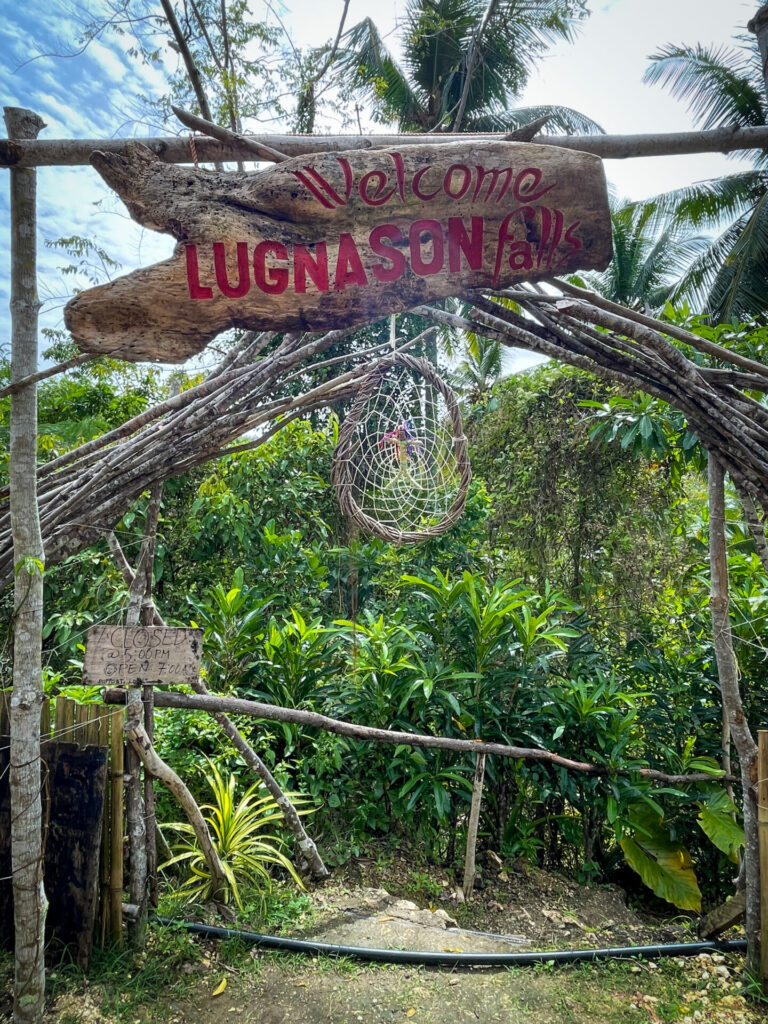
(177, 150)
(235, 705)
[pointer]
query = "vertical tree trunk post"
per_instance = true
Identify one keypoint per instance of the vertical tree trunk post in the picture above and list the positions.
(474, 820)
(29, 902)
(134, 802)
(762, 824)
(147, 618)
(728, 674)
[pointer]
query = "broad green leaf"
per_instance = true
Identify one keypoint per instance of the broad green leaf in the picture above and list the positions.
(666, 869)
(664, 865)
(717, 822)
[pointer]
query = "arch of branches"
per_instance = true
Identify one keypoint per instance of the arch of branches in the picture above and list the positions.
(83, 493)
(267, 380)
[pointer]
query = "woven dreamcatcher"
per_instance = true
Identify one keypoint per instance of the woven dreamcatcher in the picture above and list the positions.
(401, 468)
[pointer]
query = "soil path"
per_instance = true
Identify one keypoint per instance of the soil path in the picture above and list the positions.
(311, 992)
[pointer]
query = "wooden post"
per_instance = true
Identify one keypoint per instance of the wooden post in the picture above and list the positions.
(474, 820)
(67, 719)
(733, 708)
(134, 799)
(5, 708)
(762, 824)
(29, 901)
(116, 830)
(80, 735)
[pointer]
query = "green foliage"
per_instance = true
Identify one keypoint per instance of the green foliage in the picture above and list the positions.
(647, 260)
(424, 92)
(717, 818)
(589, 520)
(723, 86)
(663, 864)
(247, 852)
(233, 625)
(566, 610)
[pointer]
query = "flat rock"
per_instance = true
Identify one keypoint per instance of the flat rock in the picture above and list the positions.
(379, 921)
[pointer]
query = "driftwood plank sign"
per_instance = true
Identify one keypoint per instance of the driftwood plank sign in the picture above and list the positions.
(336, 239)
(152, 654)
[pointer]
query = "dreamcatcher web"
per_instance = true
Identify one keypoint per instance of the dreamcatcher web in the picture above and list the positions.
(400, 467)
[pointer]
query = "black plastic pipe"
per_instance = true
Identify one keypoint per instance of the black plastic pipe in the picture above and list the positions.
(410, 956)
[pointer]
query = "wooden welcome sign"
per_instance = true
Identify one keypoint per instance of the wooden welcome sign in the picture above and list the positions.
(334, 240)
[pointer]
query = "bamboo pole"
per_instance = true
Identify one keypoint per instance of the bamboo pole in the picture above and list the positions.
(116, 830)
(5, 705)
(58, 722)
(80, 735)
(104, 860)
(45, 720)
(67, 719)
(92, 725)
(176, 149)
(762, 824)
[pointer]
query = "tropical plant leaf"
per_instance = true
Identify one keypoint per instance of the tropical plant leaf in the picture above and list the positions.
(664, 865)
(717, 822)
(719, 83)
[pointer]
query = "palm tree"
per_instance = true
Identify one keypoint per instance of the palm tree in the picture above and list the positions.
(479, 370)
(723, 86)
(647, 262)
(463, 63)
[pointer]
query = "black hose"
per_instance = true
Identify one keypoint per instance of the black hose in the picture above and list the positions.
(408, 956)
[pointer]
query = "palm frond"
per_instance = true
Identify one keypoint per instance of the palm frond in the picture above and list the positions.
(739, 290)
(718, 83)
(647, 259)
(697, 282)
(706, 204)
(364, 64)
(562, 121)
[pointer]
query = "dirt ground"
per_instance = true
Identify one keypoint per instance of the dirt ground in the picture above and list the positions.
(206, 982)
(325, 992)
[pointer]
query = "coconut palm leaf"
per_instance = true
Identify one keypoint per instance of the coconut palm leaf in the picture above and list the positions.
(697, 282)
(721, 84)
(366, 66)
(562, 121)
(739, 290)
(496, 42)
(646, 261)
(707, 203)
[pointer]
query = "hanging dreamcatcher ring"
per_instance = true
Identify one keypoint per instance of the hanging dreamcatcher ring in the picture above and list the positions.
(401, 465)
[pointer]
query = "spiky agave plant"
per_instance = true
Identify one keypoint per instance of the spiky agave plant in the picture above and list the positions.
(241, 833)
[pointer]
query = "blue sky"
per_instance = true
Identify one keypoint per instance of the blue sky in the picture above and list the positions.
(96, 94)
